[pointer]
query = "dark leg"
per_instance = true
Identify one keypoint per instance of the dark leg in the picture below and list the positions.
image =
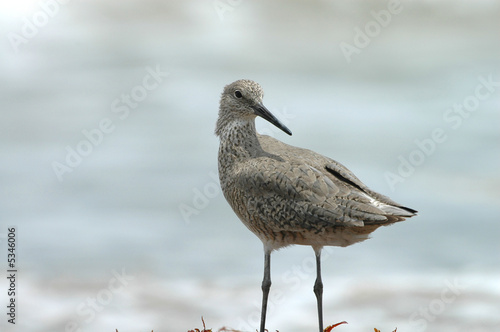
(266, 285)
(318, 288)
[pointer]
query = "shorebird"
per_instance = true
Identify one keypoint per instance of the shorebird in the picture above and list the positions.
(287, 195)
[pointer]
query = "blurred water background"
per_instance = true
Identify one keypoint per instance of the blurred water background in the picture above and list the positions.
(133, 87)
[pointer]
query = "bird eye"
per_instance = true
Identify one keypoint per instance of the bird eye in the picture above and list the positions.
(238, 94)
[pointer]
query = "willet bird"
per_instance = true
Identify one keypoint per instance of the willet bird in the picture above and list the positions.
(288, 195)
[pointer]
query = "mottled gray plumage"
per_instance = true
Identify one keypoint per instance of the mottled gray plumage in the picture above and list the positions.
(288, 195)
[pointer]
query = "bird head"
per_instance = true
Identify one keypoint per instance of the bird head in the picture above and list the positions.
(243, 100)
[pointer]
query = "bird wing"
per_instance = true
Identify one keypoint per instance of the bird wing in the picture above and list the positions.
(294, 187)
(300, 196)
(387, 205)
(335, 171)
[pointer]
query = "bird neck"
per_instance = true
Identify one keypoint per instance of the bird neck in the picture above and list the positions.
(238, 140)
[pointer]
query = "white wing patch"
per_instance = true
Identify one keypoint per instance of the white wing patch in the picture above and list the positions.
(389, 209)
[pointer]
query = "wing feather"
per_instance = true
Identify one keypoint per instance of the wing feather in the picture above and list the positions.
(295, 189)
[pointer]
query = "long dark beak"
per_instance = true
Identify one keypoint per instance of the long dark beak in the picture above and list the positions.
(264, 113)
